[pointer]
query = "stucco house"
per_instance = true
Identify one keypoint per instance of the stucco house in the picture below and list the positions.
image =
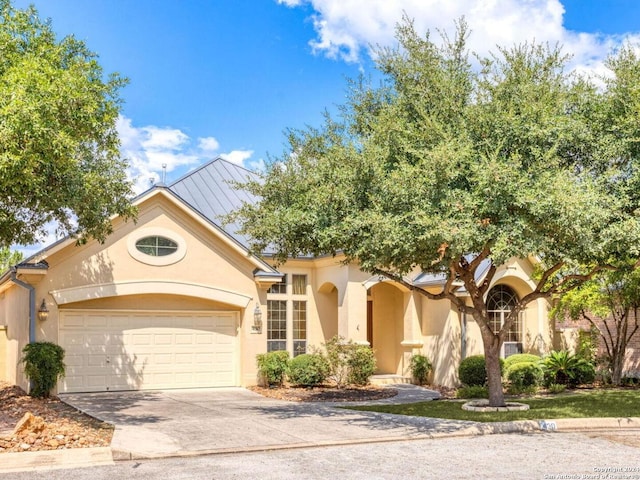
(175, 300)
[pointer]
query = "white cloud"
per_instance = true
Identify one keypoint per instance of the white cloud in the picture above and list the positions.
(237, 156)
(208, 144)
(150, 149)
(346, 28)
(163, 138)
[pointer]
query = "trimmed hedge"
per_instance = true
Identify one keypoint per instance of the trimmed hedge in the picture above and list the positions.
(520, 358)
(472, 370)
(525, 374)
(308, 370)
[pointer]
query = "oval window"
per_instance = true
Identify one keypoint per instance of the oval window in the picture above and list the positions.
(156, 246)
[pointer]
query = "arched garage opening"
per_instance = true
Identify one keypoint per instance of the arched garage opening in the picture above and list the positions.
(148, 341)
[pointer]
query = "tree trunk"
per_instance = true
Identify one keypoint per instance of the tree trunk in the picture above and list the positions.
(494, 375)
(617, 362)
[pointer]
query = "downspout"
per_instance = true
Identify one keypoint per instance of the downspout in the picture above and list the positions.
(463, 337)
(32, 304)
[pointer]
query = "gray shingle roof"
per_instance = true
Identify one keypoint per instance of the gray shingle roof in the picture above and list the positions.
(208, 190)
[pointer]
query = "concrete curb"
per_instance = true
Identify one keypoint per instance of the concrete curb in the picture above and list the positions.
(563, 425)
(86, 457)
(55, 459)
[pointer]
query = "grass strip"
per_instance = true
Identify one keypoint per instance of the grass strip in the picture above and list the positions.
(592, 404)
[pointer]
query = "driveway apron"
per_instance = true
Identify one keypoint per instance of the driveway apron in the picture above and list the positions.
(183, 422)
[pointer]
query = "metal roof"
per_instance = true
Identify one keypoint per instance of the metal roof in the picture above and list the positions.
(426, 279)
(209, 190)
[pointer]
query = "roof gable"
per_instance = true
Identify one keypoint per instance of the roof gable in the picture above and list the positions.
(209, 190)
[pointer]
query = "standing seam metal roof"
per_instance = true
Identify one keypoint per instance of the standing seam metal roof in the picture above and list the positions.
(208, 190)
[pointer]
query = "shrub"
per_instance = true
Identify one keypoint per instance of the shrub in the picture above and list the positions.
(273, 366)
(584, 373)
(520, 358)
(473, 391)
(349, 362)
(43, 366)
(308, 370)
(556, 388)
(523, 375)
(420, 367)
(361, 363)
(514, 390)
(567, 369)
(472, 370)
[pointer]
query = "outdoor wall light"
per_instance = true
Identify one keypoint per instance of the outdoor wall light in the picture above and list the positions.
(43, 311)
(257, 319)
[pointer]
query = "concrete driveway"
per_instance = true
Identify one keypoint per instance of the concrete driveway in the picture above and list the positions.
(186, 422)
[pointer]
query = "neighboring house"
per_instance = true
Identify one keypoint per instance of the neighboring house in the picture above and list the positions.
(175, 300)
(570, 334)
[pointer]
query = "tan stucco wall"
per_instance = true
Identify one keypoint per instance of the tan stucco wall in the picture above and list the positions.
(3, 353)
(441, 327)
(387, 327)
(14, 316)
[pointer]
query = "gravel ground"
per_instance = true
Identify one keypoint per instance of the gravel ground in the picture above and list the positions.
(61, 426)
(516, 456)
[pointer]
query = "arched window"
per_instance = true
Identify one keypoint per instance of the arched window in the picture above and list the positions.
(500, 301)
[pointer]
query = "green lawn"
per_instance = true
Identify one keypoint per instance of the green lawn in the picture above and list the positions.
(594, 403)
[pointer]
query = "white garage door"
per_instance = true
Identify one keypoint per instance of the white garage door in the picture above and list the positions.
(129, 350)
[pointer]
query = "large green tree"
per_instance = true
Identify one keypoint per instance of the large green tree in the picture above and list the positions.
(60, 162)
(445, 166)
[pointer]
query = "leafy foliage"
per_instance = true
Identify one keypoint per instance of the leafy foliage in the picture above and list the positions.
(420, 367)
(273, 366)
(524, 374)
(472, 370)
(610, 302)
(59, 153)
(442, 167)
(361, 363)
(565, 368)
(472, 391)
(520, 358)
(349, 362)
(308, 370)
(8, 258)
(43, 365)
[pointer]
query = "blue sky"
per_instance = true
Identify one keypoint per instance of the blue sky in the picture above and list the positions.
(227, 77)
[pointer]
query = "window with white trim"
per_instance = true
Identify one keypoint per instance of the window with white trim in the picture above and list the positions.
(287, 315)
(500, 301)
(276, 325)
(299, 327)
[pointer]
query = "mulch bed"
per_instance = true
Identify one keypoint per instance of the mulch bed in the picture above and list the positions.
(326, 393)
(61, 426)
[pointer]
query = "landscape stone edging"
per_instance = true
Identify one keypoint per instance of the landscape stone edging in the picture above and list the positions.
(483, 406)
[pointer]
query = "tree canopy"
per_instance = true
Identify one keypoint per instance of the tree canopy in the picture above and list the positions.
(445, 165)
(59, 150)
(8, 258)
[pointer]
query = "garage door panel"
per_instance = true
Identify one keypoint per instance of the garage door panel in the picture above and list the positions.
(128, 351)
